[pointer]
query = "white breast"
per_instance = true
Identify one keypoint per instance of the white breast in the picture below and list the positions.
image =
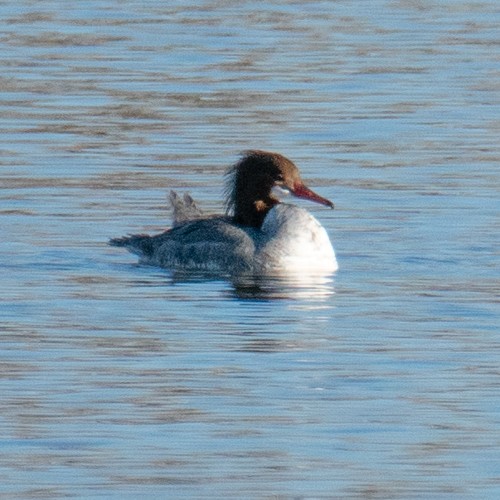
(294, 241)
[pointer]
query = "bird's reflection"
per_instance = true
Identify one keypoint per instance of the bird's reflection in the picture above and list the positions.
(278, 287)
(268, 287)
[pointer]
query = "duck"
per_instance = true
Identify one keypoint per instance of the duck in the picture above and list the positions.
(258, 233)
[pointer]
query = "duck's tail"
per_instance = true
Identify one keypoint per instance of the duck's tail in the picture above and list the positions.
(184, 210)
(140, 244)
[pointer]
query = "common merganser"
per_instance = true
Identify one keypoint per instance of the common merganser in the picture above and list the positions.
(258, 234)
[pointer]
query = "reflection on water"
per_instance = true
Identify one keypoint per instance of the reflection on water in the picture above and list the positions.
(300, 287)
(126, 381)
(276, 286)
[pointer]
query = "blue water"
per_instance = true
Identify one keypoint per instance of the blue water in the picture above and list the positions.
(124, 381)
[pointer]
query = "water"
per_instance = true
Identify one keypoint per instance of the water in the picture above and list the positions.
(123, 381)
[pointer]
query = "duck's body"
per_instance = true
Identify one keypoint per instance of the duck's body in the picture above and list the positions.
(260, 236)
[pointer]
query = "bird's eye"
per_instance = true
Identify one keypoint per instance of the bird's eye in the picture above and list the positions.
(280, 178)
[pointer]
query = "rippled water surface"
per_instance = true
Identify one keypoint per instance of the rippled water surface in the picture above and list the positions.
(125, 381)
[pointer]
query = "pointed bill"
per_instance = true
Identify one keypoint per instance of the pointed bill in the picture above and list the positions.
(302, 191)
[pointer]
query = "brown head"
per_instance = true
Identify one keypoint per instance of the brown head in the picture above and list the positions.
(251, 181)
